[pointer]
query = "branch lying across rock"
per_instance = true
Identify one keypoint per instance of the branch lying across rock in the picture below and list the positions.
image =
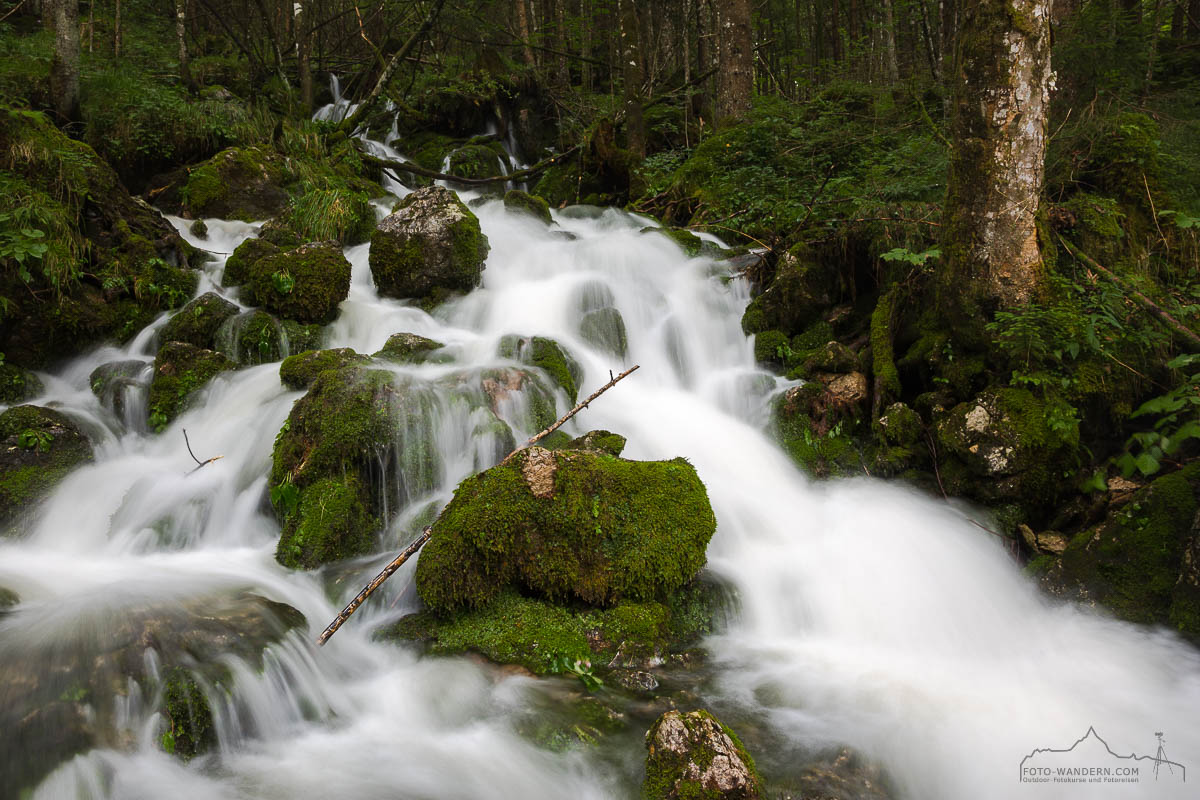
(420, 541)
(416, 169)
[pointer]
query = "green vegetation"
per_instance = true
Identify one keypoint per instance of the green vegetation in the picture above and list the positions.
(305, 284)
(299, 371)
(38, 447)
(180, 370)
(188, 717)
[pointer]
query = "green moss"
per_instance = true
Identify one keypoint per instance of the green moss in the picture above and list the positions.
(612, 530)
(299, 371)
(900, 425)
(180, 370)
(332, 211)
(18, 385)
(605, 328)
(243, 183)
(691, 244)
(600, 441)
(38, 447)
(884, 366)
(245, 256)
(198, 321)
(772, 347)
(478, 161)
(305, 284)
(408, 348)
(189, 720)
(516, 200)
(820, 448)
(332, 521)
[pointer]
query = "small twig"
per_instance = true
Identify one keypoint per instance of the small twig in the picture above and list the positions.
(733, 230)
(199, 464)
(417, 543)
(189, 446)
(15, 9)
(1153, 211)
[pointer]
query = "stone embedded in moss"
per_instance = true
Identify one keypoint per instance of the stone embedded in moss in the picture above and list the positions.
(694, 756)
(801, 291)
(305, 284)
(568, 525)
(900, 425)
(430, 244)
(243, 257)
(18, 385)
(38, 447)
(188, 717)
(1140, 561)
(180, 370)
(813, 422)
(243, 183)
(598, 441)
(605, 328)
(408, 348)
(548, 355)
(516, 200)
(198, 321)
(299, 371)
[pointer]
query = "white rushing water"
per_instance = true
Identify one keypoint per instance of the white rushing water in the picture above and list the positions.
(869, 615)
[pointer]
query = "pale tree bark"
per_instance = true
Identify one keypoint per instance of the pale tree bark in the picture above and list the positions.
(631, 69)
(997, 162)
(889, 43)
(61, 18)
(185, 73)
(735, 78)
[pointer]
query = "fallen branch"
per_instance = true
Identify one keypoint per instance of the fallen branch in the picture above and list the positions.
(420, 541)
(416, 169)
(199, 463)
(1146, 302)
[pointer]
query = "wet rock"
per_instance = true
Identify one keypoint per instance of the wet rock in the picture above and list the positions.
(18, 385)
(598, 529)
(516, 200)
(598, 442)
(299, 371)
(635, 680)
(305, 284)
(38, 447)
(1050, 542)
(188, 716)
(480, 159)
(244, 183)
(845, 776)
(694, 755)
(199, 229)
(110, 382)
(900, 425)
(832, 357)
(243, 257)
(180, 370)
(691, 244)
(430, 246)
(198, 321)
(548, 355)
(801, 291)
(408, 348)
(845, 391)
(605, 329)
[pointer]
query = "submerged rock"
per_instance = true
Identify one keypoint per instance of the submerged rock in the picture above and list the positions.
(110, 381)
(694, 756)
(180, 370)
(516, 200)
(305, 284)
(198, 321)
(568, 525)
(548, 355)
(845, 776)
(38, 447)
(429, 246)
(299, 371)
(408, 348)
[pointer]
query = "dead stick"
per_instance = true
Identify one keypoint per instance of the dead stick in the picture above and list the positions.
(375, 584)
(428, 531)
(1146, 302)
(579, 407)
(199, 463)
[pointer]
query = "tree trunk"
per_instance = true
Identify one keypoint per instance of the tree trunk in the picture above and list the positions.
(889, 43)
(185, 74)
(1152, 55)
(521, 15)
(997, 162)
(735, 78)
(631, 68)
(61, 18)
(116, 29)
(304, 54)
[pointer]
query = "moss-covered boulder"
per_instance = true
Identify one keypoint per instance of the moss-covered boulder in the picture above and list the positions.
(598, 442)
(320, 482)
(431, 245)
(568, 525)
(18, 385)
(693, 755)
(187, 716)
(1141, 562)
(180, 370)
(197, 322)
(244, 183)
(245, 256)
(299, 371)
(605, 329)
(525, 203)
(545, 354)
(480, 159)
(38, 447)
(691, 244)
(408, 348)
(305, 284)
(801, 291)
(112, 263)
(111, 383)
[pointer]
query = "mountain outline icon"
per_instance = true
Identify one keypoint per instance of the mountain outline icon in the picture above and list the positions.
(1159, 760)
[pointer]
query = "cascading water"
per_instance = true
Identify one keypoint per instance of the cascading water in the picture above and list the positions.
(869, 615)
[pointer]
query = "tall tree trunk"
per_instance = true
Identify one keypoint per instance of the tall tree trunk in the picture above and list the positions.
(185, 73)
(117, 30)
(1152, 55)
(521, 16)
(1193, 16)
(735, 78)
(61, 18)
(889, 43)
(631, 68)
(997, 161)
(304, 54)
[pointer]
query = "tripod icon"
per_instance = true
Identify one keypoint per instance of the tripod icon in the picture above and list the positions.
(1160, 757)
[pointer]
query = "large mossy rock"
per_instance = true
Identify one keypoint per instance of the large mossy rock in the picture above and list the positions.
(38, 447)
(568, 525)
(301, 370)
(181, 370)
(245, 256)
(112, 262)
(408, 348)
(244, 183)
(18, 385)
(802, 290)
(694, 756)
(320, 479)
(197, 322)
(429, 246)
(525, 203)
(1143, 561)
(305, 284)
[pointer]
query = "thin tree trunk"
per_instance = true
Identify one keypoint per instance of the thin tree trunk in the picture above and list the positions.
(304, 54)
(521, 14)
(631, 68)
(1155, 30)
(117, 30)
(735, 78)
(185, 73)
(889, 43)
(61, 18)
